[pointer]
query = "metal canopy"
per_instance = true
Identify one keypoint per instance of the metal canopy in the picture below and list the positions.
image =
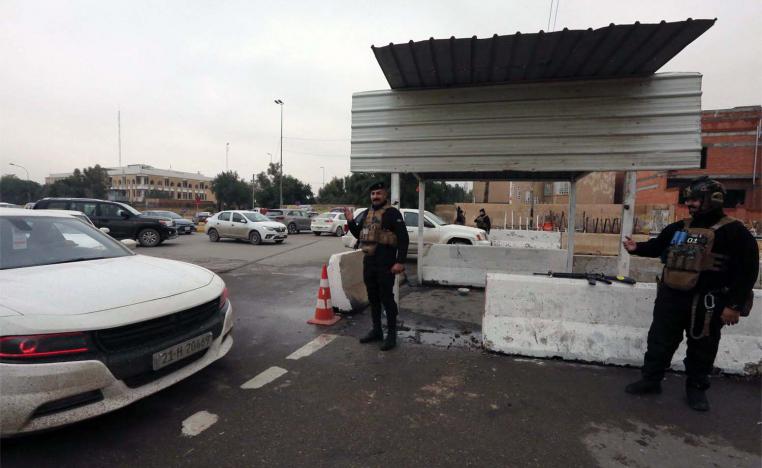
(609, 52)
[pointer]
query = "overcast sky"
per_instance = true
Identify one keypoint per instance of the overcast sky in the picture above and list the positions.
(190, 76)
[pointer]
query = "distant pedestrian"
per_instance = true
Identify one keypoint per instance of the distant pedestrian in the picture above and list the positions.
(460, 217)
(482, 221)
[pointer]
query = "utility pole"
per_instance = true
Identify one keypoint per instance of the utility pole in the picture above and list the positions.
(323, 168)
(227, 150)
(280, 103)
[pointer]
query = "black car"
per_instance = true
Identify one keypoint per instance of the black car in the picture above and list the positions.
(122, 220)
(183, 226)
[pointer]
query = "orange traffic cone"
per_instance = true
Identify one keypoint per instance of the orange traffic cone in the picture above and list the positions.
(324, 310)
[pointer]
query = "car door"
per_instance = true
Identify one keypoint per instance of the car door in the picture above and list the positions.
(239, 227)
(88, 208)
(223, 224)
(304, 221)
(113, 217)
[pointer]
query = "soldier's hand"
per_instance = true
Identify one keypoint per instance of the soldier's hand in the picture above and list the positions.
(398, 268)
(348, 214)
(629, 244)
(730, 316)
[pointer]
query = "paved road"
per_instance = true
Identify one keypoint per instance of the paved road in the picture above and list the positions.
(431, 402)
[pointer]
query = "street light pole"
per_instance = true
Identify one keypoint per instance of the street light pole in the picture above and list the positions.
(227, 150)
(323, 168)
(280, 103)
(271, 157)
(28, 188)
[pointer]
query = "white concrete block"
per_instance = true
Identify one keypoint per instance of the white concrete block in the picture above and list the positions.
(348, 291)
(552, 317)
(525, 239)
(468, 265)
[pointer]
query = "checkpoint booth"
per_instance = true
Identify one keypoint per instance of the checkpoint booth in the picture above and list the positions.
(543, 107)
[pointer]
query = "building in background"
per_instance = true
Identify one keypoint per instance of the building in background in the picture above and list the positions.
(732, 155)
(594, 188)
(137, 183)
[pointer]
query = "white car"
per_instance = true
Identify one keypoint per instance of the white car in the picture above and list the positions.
(247, 225)
(435, 231)
(332, 223)
(87, 326)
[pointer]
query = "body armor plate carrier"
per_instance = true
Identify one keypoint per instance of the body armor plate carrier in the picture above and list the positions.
(690, 253)
(372, 234)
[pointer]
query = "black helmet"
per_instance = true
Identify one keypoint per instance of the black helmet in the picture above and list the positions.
(710, 192)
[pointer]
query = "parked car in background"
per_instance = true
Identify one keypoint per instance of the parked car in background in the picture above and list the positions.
(295, 220)
(122, 220)
(435, 231)
(88, 327)
(183, 226)
(248, 225)
(331, 223)
(201, 216)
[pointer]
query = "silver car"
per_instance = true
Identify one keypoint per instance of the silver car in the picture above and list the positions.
(247, 225)
(295, 220)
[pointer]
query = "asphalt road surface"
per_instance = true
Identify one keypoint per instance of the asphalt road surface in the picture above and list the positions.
(292, 394)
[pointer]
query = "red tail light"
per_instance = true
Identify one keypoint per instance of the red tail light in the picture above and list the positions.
(224, 298)
(280, 218)
(40, 346)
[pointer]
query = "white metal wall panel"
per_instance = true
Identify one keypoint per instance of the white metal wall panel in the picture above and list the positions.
(604, 125)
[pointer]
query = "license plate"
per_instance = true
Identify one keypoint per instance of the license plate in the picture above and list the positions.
(182, 350)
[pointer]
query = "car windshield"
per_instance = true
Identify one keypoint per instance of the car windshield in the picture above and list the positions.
(254, 216)
(27, 241)
(326, 215)
(436, 219)
(274, 212)
(129, 208)
(168, 214)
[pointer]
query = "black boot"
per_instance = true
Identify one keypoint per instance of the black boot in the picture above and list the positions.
(696, 398)
(376, 334)
(391, 333)
(643, 387)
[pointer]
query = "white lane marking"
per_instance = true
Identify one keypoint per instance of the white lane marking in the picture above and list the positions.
(264, 378)
(312, 346)
(198, 423)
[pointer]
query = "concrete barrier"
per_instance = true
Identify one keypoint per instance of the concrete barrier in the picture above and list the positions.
(525, 238)
(468, 265)
(552, 317)
(345, 279)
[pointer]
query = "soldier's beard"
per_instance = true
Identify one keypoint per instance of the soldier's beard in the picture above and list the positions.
(378, 203)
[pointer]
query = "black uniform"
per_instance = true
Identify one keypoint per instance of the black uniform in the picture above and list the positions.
(673, 308)
(483, 222)
(377, 274)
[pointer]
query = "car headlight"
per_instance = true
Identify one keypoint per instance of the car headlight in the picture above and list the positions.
(43, 346)
(166, 222)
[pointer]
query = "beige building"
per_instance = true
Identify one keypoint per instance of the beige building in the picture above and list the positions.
(137, 182)
(595, 188)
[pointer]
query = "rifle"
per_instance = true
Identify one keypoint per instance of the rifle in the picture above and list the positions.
(592, 278)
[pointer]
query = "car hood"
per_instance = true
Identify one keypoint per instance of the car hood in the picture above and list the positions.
(182, 222)
(97, 285)
(272, 224)
(457, 228)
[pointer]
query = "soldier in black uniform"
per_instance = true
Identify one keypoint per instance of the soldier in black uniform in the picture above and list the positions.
(711, 262)
(382, 236)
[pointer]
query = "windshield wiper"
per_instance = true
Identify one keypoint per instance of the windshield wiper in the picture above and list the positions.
(78, 259)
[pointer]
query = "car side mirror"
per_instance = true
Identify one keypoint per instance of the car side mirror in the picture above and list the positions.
(125, 215)
(105, 230)
(129, 243)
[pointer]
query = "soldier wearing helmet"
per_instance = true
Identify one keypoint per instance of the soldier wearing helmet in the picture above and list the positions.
(711, 262)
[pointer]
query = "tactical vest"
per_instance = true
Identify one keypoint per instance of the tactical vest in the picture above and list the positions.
(372, 234)
(690, 253)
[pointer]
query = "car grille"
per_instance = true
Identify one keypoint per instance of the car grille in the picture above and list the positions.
(280, 229)
(156, 330)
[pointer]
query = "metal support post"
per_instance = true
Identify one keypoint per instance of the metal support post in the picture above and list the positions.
(571, 229)
(628, 218)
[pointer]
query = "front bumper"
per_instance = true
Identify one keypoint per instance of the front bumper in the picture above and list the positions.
(169, 233)
(26, 388)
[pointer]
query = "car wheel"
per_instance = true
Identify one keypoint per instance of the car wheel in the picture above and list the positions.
(292, 229)
(459, 242)
(339, 231)
(316, 233)
(255, 238)
(149, 238)
(214, 236)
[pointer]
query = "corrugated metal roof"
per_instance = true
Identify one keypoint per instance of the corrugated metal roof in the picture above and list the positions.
(609, 52)
(550, 130)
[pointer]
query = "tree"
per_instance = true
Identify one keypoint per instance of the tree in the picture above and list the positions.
(353, 190)
(231, 191)
(17, 191)
(267, 189)
(91, 182)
